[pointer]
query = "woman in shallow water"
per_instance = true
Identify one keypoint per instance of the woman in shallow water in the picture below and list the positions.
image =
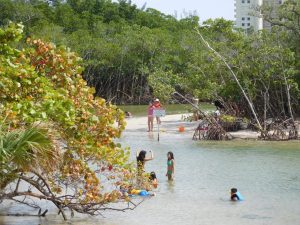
(141, 159)
(170, 166)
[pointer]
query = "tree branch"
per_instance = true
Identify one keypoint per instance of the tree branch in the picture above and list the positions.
(235, 78)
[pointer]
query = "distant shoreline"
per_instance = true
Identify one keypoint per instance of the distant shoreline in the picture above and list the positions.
(170, 125)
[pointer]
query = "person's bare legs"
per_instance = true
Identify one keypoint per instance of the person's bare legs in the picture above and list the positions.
(170, 177)
(158, 120)
(151, 123)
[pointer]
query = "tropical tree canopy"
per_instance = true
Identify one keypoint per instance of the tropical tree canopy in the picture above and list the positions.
(57, 135)
(129, 54)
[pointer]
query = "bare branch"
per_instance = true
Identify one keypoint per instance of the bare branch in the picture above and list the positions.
(235, 78)
(32, 205)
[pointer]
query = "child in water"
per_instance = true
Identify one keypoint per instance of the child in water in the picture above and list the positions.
(153, 179)
(170, 166)
(128, 114)
(235, 195)
(144, 193)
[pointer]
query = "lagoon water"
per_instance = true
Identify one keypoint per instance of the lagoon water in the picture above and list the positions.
(266, 173)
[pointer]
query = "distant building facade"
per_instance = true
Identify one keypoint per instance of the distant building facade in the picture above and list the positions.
(245, 10)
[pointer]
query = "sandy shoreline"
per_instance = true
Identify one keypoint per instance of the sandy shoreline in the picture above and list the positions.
(171, 123)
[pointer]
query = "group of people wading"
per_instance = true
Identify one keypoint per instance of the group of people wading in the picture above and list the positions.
(142, 159)
(143, 187)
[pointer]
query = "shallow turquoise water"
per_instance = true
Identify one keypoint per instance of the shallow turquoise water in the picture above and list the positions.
(266, 173)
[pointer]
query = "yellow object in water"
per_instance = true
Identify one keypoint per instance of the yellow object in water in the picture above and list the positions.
(135, 191)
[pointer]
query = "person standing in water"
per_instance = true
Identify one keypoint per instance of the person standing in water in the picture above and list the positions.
(141, 159)
(170, 166)
(150, 116)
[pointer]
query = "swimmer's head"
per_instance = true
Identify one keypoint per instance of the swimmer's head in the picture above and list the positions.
(233, 190)
(170, 155)
(142, 155)
(152, 175)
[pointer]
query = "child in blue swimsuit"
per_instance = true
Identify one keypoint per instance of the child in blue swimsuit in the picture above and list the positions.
(235, 195)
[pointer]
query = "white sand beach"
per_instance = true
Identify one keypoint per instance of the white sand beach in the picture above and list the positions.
(171, 123)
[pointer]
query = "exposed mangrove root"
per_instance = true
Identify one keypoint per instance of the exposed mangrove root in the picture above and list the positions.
(212, 133)
(209, 131)
(214, 130)
(281, 131)
(216, 133)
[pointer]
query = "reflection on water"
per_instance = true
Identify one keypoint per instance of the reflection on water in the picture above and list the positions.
(151, 136)
(266, 173)
(170, 185)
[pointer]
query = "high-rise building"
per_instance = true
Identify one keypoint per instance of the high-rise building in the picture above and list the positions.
(246, 14)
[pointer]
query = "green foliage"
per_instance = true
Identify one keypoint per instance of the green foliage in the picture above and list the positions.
(41, 84)
(23, 150)
(228, 118)
(123, 48)
(163, 84)
(117, 41)
(286, 25)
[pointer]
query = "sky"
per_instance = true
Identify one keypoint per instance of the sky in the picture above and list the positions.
(205, 9)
